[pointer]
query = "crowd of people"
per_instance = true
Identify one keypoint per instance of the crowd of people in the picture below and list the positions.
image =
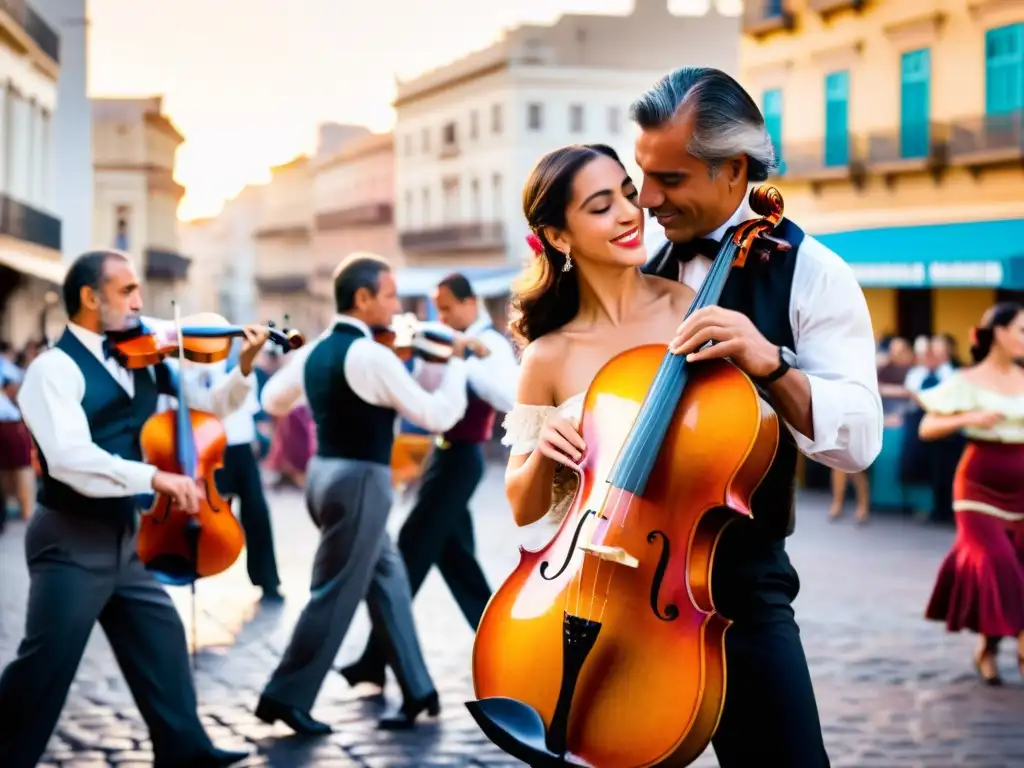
(794, 321)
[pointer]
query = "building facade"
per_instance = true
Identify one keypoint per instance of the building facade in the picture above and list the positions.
(135, 198)
(30, 234)
(901, 130)
(223, 253)
(283, 238)
(353, 204)
(71, 172)
(468, 134)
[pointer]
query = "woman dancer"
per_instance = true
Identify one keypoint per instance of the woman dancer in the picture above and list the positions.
(584, 301)
(980, 585)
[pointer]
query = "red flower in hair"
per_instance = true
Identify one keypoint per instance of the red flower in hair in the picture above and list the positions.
(535, 244)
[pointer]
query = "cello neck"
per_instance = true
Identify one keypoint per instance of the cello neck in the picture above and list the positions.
(185, 444)
(636, 461)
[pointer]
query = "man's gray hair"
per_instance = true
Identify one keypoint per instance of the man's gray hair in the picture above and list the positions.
(727, 122)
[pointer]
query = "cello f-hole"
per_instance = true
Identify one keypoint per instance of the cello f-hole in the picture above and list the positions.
(205, 485)
(671, 611)
(572, 550)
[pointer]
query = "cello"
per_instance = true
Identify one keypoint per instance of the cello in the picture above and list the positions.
(604, 647)
(177, 547)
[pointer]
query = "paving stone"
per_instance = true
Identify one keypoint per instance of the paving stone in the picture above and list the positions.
(894, 691)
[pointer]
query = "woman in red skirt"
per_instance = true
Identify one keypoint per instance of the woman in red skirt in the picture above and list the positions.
(980, 586)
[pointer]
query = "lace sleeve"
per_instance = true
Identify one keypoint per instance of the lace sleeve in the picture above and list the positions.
(523, 425)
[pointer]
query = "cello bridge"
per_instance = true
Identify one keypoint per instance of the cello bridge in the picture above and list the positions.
(611, 554)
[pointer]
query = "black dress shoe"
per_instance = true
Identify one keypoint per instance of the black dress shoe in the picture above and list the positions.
(362, 672)
(272, 596)
(405, 718)
(270, 711)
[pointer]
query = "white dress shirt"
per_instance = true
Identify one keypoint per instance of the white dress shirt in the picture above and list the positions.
(494, 378)
(377, 377)
(835, 349)
(239, 425)
(51, 405)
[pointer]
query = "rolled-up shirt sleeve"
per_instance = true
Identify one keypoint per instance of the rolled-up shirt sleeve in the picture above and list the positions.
(835, 349)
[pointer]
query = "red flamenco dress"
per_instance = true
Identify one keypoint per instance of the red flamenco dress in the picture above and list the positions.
(980, 586)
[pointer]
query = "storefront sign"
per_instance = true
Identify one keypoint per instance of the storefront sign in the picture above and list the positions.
(961, 274)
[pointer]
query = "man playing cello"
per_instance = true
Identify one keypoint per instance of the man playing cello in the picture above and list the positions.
(797, 324)
(85, 413)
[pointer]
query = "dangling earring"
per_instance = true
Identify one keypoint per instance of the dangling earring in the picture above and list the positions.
(568, 262)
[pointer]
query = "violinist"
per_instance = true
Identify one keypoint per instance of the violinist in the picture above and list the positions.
(355, 388)
(85, 413)
(439, 529)
(798, 324)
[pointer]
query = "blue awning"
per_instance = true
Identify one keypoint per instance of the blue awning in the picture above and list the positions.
(975, 254)
(488, 282)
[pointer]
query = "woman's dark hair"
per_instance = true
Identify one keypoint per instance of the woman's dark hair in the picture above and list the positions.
(544, 297)
(999, 316)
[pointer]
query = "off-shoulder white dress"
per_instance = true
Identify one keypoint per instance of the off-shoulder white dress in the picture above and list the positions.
(523, 425)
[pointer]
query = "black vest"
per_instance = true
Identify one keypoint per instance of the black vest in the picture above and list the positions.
(761, 290)
(347, 427)
(115, 422)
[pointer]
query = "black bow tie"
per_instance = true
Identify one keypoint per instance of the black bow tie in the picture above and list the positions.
(108, 348)
(701, 246)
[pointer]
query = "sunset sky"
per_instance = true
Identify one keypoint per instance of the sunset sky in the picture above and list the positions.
(247, 81)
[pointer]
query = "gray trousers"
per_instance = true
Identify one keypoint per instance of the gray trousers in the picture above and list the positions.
(83, 570)
(349, 502)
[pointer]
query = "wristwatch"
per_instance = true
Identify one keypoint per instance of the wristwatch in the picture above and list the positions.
(787, 359)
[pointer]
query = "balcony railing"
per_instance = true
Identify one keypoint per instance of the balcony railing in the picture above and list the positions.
(763, 16)
(834, 157)
(162, 264)
(913, 144)
(368, 215)
(987, 140)
(281, 284)
(475, 236)
(41, 33)
(23, 222)
(826, 7)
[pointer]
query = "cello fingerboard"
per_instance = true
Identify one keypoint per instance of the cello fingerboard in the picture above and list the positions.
(640, 452)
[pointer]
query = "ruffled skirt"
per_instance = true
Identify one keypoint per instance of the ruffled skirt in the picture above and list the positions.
(980, 585)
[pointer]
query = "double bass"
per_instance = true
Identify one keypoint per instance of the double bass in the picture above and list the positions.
(178, 547)
(604, 647)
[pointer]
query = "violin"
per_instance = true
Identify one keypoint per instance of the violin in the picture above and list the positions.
(180, 547)
(617, 609)
(201, 338)
(411, 338)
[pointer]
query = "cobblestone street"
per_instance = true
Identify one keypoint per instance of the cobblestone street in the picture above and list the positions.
(893, 689)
